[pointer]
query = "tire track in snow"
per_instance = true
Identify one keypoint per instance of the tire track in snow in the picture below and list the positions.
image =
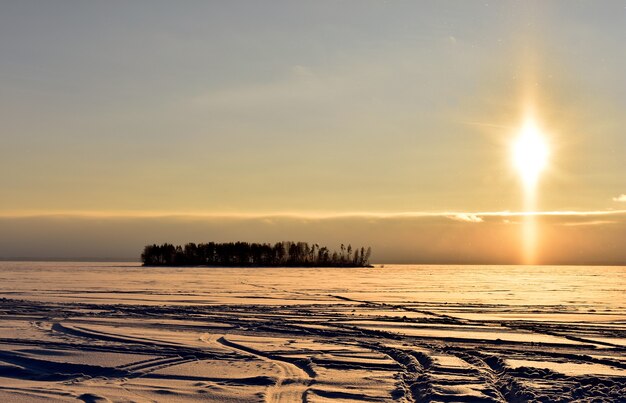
(293, 382)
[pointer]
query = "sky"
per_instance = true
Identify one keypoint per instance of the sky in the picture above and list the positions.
(371, 122)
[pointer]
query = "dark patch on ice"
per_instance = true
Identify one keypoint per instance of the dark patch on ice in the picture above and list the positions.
(92, 398)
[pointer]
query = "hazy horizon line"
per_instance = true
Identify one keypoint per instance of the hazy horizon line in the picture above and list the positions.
(461, 215)
(137, 260)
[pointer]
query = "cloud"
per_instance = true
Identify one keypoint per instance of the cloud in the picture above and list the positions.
(466, 217)
(620, 198)
(596, 222)
(300, 84)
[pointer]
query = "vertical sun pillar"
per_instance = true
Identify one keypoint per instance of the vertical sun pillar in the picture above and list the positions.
(529, 226)
(530, 154)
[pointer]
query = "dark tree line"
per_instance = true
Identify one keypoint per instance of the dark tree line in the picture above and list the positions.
(292, 254)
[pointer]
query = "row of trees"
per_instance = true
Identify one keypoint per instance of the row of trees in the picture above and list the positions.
(299, 254)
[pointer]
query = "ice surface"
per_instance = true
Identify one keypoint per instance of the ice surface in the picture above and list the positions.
(119, 332)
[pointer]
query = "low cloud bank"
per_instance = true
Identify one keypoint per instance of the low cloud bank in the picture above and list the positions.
(447, 238)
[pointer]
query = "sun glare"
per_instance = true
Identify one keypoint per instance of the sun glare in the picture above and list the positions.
(530, 153)
(530, 157)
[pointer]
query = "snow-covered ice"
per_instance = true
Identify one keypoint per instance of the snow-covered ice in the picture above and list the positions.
(99, 332)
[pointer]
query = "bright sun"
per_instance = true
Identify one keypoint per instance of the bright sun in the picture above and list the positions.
(530, 152)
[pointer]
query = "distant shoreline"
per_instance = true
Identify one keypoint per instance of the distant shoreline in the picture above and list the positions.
(370, 266)
(139, 264)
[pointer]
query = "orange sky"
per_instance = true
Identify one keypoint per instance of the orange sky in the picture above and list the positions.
(118, 116)
(564, 238)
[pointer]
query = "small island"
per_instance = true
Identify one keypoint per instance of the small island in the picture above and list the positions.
(244, 254)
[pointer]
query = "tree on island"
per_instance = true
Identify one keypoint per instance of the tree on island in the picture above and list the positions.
(291, 254)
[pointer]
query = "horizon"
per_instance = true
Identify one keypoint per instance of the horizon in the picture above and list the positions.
(402, 238)
(373, 264)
